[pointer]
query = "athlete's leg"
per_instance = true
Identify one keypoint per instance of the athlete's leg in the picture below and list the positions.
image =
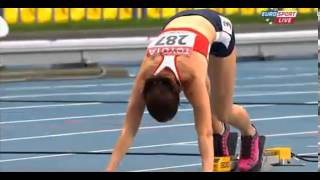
(222, 74)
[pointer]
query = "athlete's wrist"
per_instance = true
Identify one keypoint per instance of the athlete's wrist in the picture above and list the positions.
(207, 166)
(111, 168)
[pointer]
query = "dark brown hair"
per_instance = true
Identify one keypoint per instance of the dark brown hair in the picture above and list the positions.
(161, 95)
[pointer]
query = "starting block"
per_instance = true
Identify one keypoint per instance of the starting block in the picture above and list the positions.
(279, 156)
(269, 157)
(227, 163)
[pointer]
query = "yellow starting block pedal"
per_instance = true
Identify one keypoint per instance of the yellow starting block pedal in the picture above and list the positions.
(222, 164)
(226, 163)
(281, 154)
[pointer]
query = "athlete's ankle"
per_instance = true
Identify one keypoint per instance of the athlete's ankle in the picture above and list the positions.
(219, 128)
(251, 131)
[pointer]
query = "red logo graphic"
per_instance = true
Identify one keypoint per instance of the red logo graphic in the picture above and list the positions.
(170, 51)
(285, 17)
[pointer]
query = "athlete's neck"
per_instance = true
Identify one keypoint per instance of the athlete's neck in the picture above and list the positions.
(169, 74)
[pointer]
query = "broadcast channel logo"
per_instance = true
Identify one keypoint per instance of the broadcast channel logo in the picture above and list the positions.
(274, 16)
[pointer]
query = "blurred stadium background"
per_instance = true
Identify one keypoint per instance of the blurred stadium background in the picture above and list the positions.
(63, 15)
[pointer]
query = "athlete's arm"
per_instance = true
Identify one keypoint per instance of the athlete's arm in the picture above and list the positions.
(197, 93)
(133, 118)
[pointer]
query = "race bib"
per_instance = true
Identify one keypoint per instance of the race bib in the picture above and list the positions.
(173, 43)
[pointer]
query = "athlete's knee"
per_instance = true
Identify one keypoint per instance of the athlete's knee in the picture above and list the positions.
(226, 114)
(238, 111)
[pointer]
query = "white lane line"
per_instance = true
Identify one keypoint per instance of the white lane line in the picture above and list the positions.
(277, 85)
(76, 117)
(188, 144)
(95, 151)
(280, 76)
(305, 154)
(312, 102)
(142, 147)
(68, 86)
(312, 146)
(126, 92)
(141, 128)
(66, 94)
(276, 93)
(292, 134)
(286, 117)
(62, 118)
(91, 132)
(34, 157)
(48, 106)
(168, 167)
(131, 83)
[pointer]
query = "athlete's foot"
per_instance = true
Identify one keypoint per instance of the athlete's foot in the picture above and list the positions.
(221, 142)
(249, 153)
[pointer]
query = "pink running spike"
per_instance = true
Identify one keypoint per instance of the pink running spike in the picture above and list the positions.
(249, 156)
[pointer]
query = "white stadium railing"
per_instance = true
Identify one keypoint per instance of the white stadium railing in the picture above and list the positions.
(131, 50)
